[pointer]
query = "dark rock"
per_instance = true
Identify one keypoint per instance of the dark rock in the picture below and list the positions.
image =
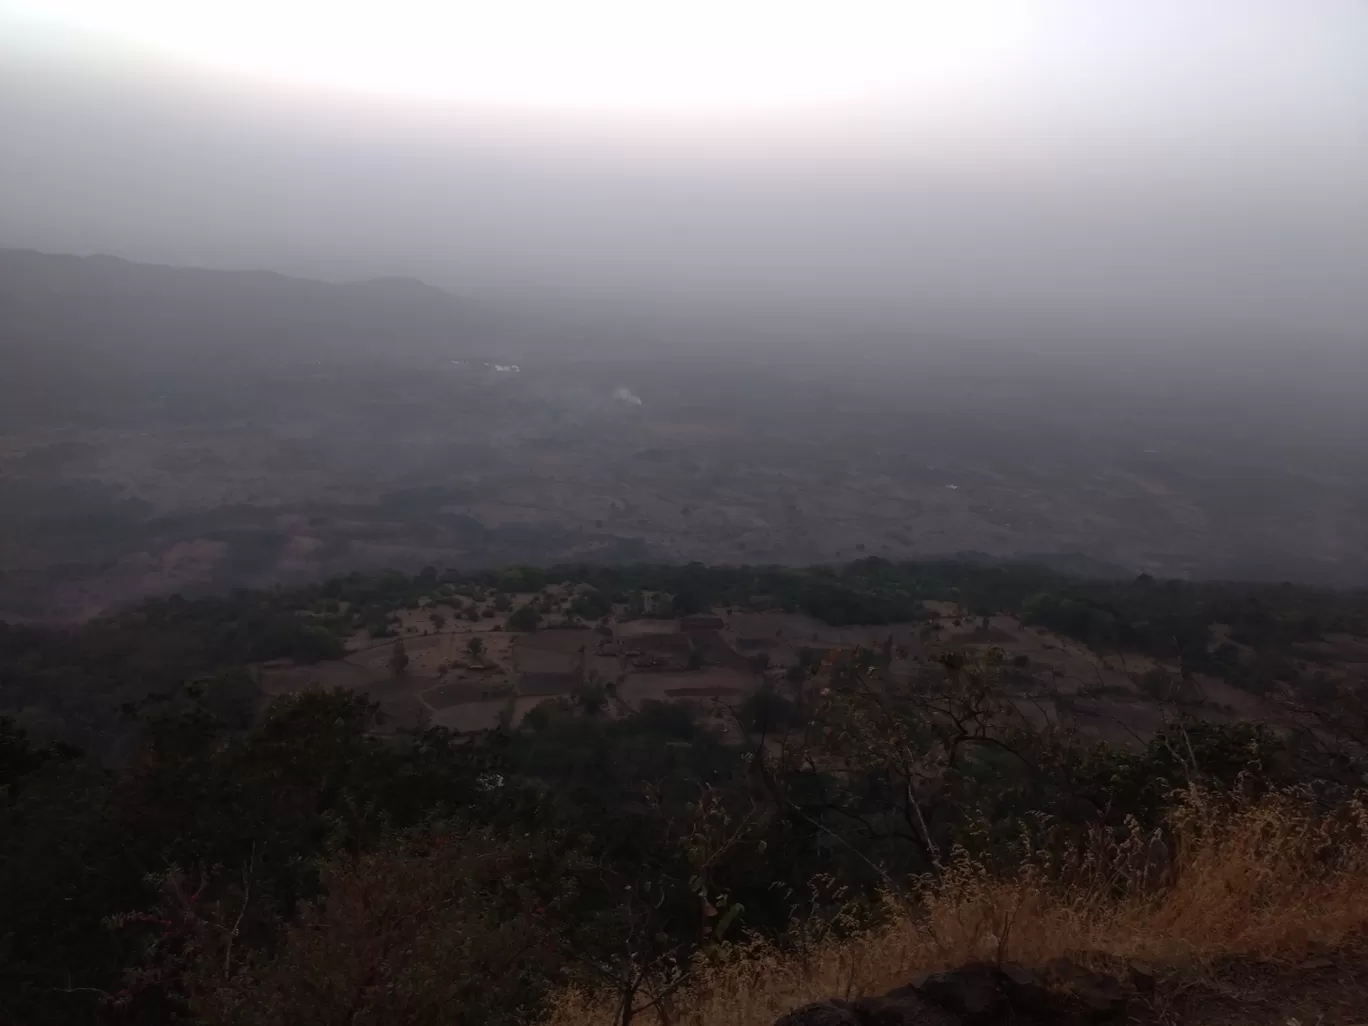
(821, 1013)
(1017, 975)
(903, 1007)
(971, 992)
(1142, 977)
(982, 994)
(1096, 995)
(1025, 989)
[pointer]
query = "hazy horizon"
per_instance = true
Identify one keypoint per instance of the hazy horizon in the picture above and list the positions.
(1151, 173)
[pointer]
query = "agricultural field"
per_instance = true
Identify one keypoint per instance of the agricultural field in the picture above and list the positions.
(624, 660)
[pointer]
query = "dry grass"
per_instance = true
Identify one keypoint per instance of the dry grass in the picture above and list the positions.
(1267, 879)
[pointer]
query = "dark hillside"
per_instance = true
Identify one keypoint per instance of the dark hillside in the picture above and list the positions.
(185, 839)
(73, 325)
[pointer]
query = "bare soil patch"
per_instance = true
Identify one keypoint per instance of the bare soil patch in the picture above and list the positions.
(565, 641)
(641, 687)
(444, 696)
(639, 628)
(467, 716)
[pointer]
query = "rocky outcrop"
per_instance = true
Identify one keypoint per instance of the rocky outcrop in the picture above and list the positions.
(1064, 993)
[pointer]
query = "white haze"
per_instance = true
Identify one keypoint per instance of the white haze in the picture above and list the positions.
(1153, 172)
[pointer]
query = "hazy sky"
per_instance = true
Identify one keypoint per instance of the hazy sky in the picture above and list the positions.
(1165, 168)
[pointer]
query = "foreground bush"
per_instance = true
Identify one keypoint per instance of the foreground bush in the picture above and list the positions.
(1267, 879)
(438, 933)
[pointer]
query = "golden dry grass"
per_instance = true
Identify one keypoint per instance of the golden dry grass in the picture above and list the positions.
(1266, 879)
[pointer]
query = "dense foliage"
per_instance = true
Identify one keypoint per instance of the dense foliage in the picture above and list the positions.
(75, 682)
(169, 852)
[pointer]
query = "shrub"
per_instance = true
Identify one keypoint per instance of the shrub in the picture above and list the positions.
(524, 618)
(435, 933)
(1268, 879)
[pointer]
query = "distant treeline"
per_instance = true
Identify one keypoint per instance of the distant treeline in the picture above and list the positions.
(77, 682)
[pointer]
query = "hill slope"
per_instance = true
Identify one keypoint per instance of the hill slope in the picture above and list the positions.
(889, 793)
(71, 318)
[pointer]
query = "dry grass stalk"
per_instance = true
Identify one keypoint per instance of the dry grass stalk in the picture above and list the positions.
(1264, 879)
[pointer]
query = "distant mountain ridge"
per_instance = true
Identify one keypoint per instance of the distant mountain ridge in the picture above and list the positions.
(58, 307)
(17, 261)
